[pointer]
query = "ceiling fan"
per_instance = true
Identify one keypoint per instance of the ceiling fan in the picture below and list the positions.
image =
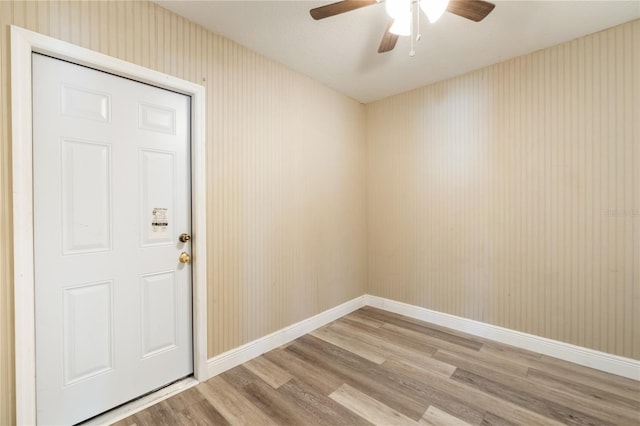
(400, 12)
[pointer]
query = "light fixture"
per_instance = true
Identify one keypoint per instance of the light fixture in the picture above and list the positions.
(402, 25)
(433, 8)
(401, 11)
(397, 8)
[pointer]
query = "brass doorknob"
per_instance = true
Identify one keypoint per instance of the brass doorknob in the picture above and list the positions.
(184, 257)
(184, 237)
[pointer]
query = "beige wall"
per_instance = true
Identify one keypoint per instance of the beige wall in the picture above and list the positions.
(286, 171)
(511, 195)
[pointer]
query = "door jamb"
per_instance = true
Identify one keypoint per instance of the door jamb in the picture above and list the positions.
(23, 44)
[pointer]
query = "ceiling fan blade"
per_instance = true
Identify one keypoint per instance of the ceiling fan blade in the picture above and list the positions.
(338, 8)
(476, 10)
(388, 41)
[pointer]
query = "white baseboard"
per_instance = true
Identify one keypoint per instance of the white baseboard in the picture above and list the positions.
(609, 363)
(248, 351)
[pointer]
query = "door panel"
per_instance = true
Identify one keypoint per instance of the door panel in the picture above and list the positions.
(86, 196)
(111, 196)
(85, 103)
(88, 336)
(158, 311)
(157, 118)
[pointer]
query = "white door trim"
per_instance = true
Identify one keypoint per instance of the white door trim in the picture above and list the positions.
(23, 43)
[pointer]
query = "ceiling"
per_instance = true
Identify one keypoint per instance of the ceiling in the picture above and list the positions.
(341, 51)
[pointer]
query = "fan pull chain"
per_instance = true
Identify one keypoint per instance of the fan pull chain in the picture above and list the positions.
(419, 35)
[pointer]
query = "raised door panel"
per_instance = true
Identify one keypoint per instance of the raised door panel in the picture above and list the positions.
(85, 103)
(158, 313)
(86, 196)
(88, 331)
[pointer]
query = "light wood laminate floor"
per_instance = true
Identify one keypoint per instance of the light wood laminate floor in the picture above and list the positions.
(375, 367)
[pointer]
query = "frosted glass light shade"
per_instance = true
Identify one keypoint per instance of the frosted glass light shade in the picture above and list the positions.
(397, 8)
(433, 8)
(402, 25)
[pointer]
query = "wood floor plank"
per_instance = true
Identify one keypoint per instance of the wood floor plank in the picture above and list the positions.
(427, 363)
(392, 338)
(362, 349)
(511, 353)
(368, 309)
(162, 414)
(285, 406)
(201, 414)
(231, 404)
(422, 327)
(589, 391)
(349, 331)
(268, 371)
(143, 418)
(323, 410)
(622, 386)
(363, 319)
(597, 375)
(436, 417)
(607, 412)
(430, 340)
(185, 399)
(129, 421)
(421, 370)
(369, 408)
(239, 375)
(363, 374)
(321, 380)
(542, 406)
(421, 381)
(491, 419)
(481, 400)
(275, 405)
(483, 360)
(603, 400)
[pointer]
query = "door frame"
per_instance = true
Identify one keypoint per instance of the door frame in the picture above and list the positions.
(23, 44)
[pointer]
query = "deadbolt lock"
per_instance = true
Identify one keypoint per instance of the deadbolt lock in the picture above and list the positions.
(184, 237)
(184, 257)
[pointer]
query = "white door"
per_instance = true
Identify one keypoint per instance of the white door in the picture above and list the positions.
(111, 198)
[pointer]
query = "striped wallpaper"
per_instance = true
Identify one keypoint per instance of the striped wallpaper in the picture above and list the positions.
(511, 195)
(286, 168)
